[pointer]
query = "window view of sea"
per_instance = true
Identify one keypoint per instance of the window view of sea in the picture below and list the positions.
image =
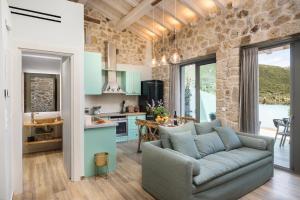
(269, 112)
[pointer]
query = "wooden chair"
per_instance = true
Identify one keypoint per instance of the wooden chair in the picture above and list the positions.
(147, 131)
(183, 120)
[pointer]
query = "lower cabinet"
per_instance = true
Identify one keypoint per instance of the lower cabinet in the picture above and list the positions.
(133, 132)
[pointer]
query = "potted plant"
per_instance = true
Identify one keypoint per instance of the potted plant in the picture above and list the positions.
(159, 111)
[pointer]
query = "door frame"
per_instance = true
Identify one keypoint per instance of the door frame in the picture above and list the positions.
(294, 144)
(77, 107)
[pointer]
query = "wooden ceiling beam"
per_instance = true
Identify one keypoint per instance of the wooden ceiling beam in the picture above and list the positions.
(140, 33)
(220, 3)
(191, 4)
(160, 21)
(149, 28)
(170, 12)
(106, 10)
(83, 1)
(133, 3)
(119, 6)
(135, 14)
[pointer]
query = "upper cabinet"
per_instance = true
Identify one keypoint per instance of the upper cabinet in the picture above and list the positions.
(132, 82)
(93, 73)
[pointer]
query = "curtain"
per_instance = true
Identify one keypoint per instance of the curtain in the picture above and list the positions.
(174, 96)
(249, 119)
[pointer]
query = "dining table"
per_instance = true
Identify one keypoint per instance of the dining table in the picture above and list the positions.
(148, 130)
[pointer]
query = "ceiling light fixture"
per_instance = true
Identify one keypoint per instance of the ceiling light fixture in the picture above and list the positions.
(163, 60)
(154, 62)
(175, 57)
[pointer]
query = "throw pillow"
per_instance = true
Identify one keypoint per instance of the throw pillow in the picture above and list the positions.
(251, 142)
(184, 143)
(165, 131)
(209, 143)
(229, 138)
(207, 127)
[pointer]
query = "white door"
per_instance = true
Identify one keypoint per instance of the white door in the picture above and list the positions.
(66, 113)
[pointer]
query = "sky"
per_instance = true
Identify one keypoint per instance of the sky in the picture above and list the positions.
(278, 58)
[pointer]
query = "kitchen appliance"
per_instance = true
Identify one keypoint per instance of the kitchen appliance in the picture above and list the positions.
(151, 90)
(111, 86)
(121, 120)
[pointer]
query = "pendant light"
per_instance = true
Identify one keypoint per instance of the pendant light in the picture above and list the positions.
(154, 62)
(175, 57)
(163, 60)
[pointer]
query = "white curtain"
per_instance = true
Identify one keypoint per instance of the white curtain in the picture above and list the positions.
(174, 96)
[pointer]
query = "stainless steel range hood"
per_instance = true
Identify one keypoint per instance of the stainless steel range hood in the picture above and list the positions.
(111, 86)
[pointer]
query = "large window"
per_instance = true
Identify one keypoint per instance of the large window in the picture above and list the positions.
(198, 90)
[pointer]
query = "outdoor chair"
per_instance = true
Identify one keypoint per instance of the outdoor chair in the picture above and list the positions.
(282, 128)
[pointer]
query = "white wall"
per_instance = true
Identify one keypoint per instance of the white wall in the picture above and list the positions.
(66, 37)
(5, 117)
(44, 65)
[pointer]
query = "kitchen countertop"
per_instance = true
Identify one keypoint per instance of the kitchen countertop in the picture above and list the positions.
(119, 114)
(103, 125)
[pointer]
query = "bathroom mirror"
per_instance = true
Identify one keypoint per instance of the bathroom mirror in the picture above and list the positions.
(41, 92)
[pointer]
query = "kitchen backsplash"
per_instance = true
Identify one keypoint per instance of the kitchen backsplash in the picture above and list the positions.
(110, 102)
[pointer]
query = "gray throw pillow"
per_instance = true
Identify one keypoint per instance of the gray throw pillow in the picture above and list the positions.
(207, 127)
(195, 163)
(209, 143)
(165, 131)
(229, 138)
(184, 143)
(255, 143)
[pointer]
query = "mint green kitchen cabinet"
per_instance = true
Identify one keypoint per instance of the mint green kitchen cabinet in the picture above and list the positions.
(93, 73)
(132, 127)
(133, 82)
(96, 140)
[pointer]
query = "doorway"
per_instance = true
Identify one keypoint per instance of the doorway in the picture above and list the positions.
(46, 106)
(275, 100)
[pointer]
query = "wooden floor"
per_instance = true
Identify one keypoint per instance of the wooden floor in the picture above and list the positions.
(44, 178)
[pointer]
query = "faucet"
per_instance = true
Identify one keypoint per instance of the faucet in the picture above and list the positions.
(32, 116)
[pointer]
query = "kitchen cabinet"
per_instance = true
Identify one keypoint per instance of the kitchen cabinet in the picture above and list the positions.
(132, 127)
(133, 82)
(93, 73)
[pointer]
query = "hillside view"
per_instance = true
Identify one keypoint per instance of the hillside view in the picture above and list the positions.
(274, 85)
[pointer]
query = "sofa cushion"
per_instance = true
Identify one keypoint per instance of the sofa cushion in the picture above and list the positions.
(207, 127)
(183, 142)
(221, 163)
(234, 174)
(209, 143)
(195, 163)
(165, 131)
(256, 143)
(229, 138)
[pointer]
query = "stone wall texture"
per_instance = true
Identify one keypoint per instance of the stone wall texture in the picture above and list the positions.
(43, 94)
(254, 22)
(98, 30)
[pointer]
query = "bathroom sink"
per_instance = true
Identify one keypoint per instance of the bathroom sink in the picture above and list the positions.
(46, 120)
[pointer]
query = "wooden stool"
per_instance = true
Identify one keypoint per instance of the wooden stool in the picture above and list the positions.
(101, 160)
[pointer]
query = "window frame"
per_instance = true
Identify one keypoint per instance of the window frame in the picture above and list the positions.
(198, 63)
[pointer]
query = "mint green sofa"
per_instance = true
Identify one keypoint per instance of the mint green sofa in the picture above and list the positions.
(226, 175)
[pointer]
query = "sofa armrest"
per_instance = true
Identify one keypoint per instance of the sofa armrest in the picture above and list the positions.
(165, 174)
(270, 141)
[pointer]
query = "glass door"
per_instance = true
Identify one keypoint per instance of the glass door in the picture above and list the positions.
(198, 90)
(274, 100)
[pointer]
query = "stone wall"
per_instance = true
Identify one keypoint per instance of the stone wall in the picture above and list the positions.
(254, 22)
(42, 94)
(98, 30)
